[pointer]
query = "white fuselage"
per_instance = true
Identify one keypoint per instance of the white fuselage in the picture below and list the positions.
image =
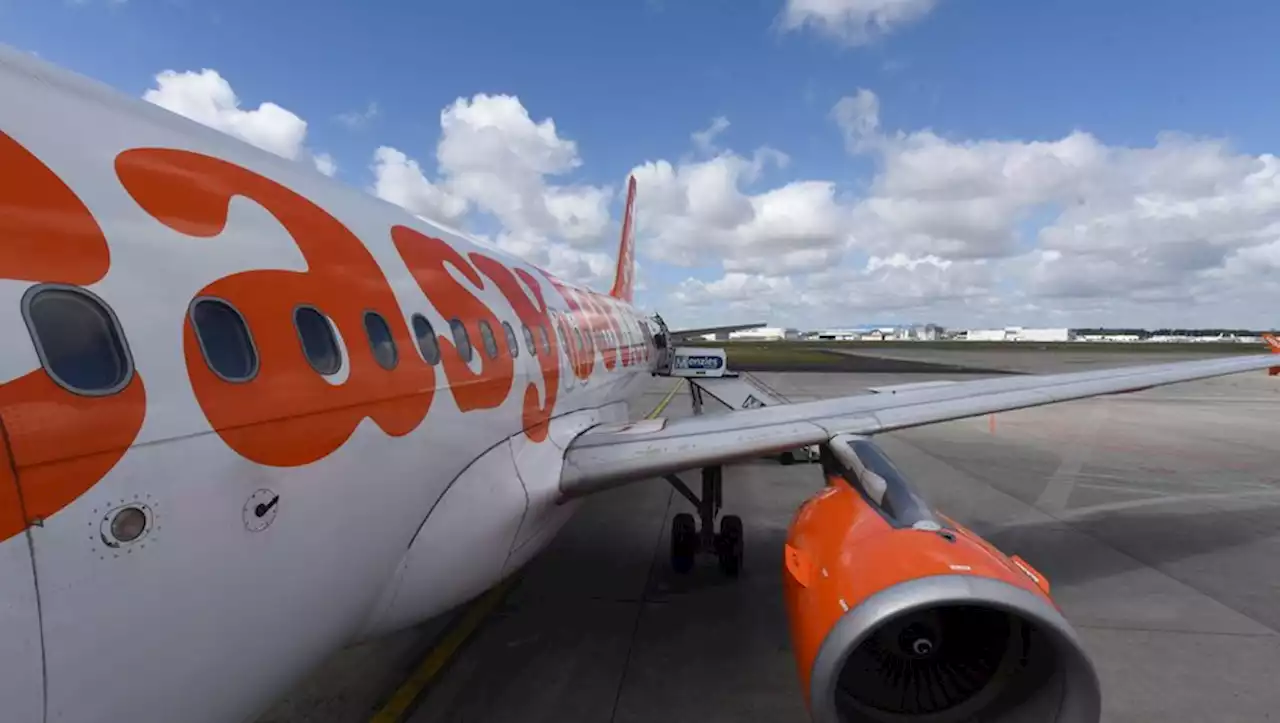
(288, 512)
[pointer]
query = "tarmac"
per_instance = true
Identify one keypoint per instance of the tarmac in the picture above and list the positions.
(1154, 516)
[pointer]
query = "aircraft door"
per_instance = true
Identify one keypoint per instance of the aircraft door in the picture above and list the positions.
(21, 653)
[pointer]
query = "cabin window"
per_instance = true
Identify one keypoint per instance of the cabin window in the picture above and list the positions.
(513, 345)
(461, 339)
(428, 346)
(384, 347)
(78, 339)
(578, 333)
(318, 342)
(546, 340)
(528, 340)
(560, 333)
(224, 340)
(486, 338)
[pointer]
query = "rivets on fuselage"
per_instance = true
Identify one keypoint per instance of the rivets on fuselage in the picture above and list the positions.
(124, 526)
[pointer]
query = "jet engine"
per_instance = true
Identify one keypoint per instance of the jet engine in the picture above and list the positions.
(899, 614)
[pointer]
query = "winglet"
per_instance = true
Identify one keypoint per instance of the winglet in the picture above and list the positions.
(622, 280)
(1274, 342)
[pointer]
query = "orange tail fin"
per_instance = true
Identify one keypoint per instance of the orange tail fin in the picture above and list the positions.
(622, 280)
(1274, 342)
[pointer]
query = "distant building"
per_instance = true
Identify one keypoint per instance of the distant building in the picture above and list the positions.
(1018, 333)
(767, 333)
(835, 334)
(884, 332)
(930, 332)
(1110, 337)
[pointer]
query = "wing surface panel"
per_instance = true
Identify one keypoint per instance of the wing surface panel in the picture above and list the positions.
(678, 334)
(601, 458)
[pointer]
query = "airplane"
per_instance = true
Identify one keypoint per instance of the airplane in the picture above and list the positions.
(250, 416)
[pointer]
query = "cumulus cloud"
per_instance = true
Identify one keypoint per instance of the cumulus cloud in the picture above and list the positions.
(207, 98)
(703, 211)
(325, 164)
(1085, 219)
(1059, 230)
(1065, 230)
(853, 22)
(493, 159)
(704, 139)
(400, 180)
(359, 118)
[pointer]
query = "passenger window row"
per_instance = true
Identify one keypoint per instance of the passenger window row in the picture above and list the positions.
(82, 347)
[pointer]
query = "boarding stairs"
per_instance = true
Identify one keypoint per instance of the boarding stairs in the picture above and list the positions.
(710, 379)
(706, 371)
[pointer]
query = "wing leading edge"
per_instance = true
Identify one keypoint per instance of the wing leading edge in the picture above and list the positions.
(680, 334)
(615, 454)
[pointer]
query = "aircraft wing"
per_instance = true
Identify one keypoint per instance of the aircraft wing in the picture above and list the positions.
(677, 334)
(613, 454)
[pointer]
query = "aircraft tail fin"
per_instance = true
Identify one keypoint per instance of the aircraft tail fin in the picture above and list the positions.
(1274, 342)
(622, 280)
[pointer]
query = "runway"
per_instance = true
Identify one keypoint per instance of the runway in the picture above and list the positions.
(1154, 515)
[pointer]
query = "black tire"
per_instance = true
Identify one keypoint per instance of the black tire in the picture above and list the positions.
(684, 542)
(731, 545)
(786, 458)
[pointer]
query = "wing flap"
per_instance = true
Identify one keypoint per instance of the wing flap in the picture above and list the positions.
(600, 466)
(678, 334)
(604, 458)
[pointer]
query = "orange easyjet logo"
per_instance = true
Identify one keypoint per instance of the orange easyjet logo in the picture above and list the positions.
(63, 443)
(285, 414)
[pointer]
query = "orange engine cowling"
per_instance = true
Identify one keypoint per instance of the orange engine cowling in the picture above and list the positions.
(901, 615)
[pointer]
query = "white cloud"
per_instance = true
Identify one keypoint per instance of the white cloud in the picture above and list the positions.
(399, 179)
(703, 139)
(700, 211)
(854, 22)
(1169, 222)
(359, 118)
(494, 160)
(1062, 230)
(325, 164)
(207, 98)
(1066, 230)
(858, 117)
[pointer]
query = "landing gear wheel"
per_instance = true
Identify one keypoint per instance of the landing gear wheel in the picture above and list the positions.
(786, 458)
(729, 545)
(684, 542)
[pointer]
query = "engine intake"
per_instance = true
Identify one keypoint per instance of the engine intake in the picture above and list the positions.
(953, 649)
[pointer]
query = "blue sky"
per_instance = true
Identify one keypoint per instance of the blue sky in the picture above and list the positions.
(629, 82)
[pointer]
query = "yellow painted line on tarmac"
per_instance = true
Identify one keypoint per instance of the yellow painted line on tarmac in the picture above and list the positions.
(398, 705)
(665, 400)
(436, 659)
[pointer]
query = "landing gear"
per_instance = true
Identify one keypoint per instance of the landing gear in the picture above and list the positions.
(729, 545)
(690, 535)
(684, 542)
(688, 538)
